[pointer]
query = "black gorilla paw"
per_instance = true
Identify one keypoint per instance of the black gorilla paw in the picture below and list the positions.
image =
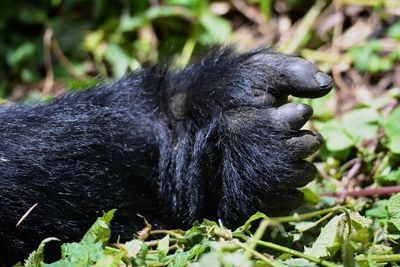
(253, 142)
(214, 140)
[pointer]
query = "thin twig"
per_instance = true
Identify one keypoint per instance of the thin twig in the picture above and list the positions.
(257, 254)
(296, 253)
(386, 190)
(23, 217)
(49, 80)
(58, 53)
(248, 11)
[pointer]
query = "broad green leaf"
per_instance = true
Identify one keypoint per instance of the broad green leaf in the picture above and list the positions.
(392, 130)
(359, 221)
(163, 248)
(133, 247)
(310, 197)
(394, 143)
(109, 261)
(36, 257)
(380, 210)
(120, 61)
(210, 259)
(181, 258)
(367, 58)
(33, 15)
(90, 249)
(217, 29)
(361, 123)
(93, 40)
(360, 226)
(336, 139)
(76, 254)
(327, 243)
(394, 31)
(321, 106)
(100, 231)
(24, 52)
(394, 210)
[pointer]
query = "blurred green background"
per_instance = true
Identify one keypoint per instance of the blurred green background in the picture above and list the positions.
(49, 45)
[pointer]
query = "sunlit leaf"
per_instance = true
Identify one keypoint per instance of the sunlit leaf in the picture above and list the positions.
(328, 241)
(394, 210)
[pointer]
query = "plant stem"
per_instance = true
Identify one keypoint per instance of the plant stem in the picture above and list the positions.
(296, 253)
(386, 190)
(304, 216)
(379, 258)
(252, 242)
(175, 233)
(257, 254)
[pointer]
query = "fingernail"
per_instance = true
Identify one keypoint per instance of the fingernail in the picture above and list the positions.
(319, 138)
(304, 111)
(323, 79)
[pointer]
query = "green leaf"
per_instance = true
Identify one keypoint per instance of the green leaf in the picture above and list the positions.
(118, 59)
(76, 254)
(394, 210)
(327, 243)
(322, 106)
(217, 29)
(110, 261)
(394, 31)
(380, 210)
(24, 52)
(36, 257)
(361, 123)
(90, 249)
(181, 258)
(247, 224)
(367, 58)
(394, 144)
(360, 227)
(210, 259)
(310, 197)
(163, 248)
(336, 139)
(133, 247)
(392, 130)
(32, 15)
(100, 231)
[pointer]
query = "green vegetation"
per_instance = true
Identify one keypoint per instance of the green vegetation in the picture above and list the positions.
(352, 212)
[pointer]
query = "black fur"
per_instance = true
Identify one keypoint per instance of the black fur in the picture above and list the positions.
(173, 146)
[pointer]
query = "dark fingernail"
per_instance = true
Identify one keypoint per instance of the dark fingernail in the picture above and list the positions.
(320, 139)
(323, 79)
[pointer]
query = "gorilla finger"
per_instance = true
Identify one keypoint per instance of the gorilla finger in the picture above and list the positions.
(303, 173)
(305, 79)
(293, 116)
(304, 144)
(299, 77)
(284, 200)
